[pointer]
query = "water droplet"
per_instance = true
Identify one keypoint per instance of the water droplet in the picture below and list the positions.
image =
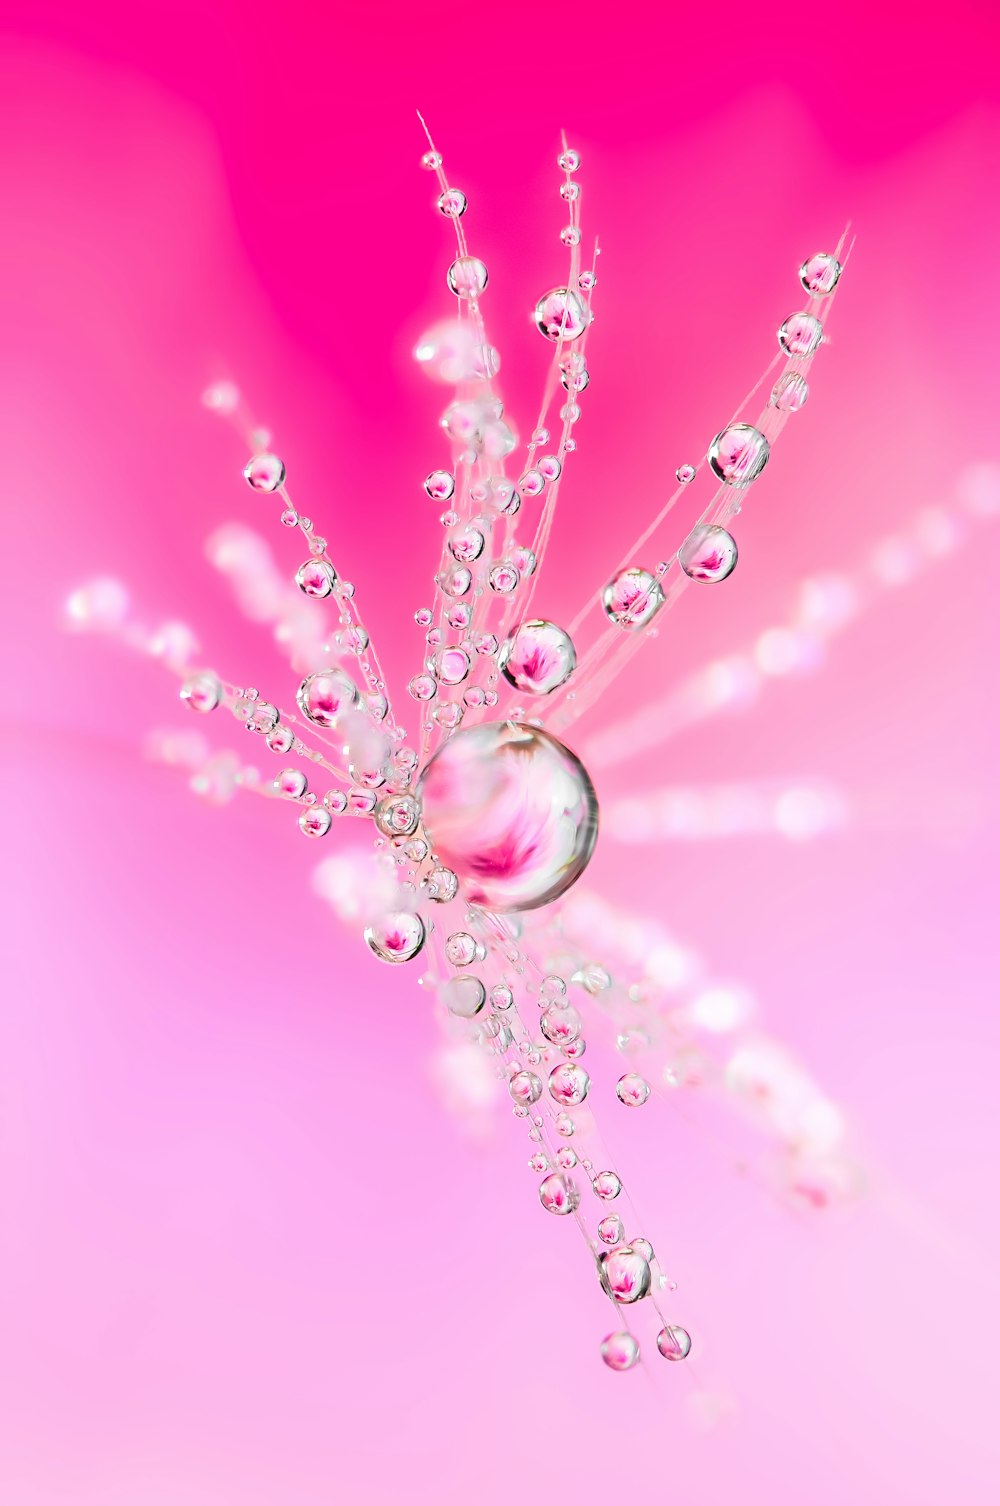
(685, 474)
(315, 821)
(441, 885)
(569, 160)
(561, 1023)
(643, 1247)
(450, 666)
(202, 692)
(820, 273)
(538, 657)
(460, 949)
(738, 454)
(559, 1194)
(620, 1351)
(673, 1342)
(568, 1084)
(291, 783)
(708, 553)
(397, 815)
(570, 235)
(511, 811)
(440, 485)
(789, 392)
(503, 579)
(800, 335)
(632, 598)
(561, 314)
(325, 696)
(625, 1274)
(397, 936)
(464, 996)
(280, 739)
(457, 582)
(611, 1229)
(607, 1185)
(431, 161)
(264, 472)
(632, 1090)
(466, 544)
(467, 277)
(315, 577)
(453, 204)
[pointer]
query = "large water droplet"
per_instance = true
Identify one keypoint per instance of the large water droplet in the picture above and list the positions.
(511, 811)
(559, 1194)
(396, 937)
(819, 274)
(538, 657)
(632, 598)
(738, 454)
(561, 315)
(708, 553)
(325, 696)
(625, 1274)
(620, 1351)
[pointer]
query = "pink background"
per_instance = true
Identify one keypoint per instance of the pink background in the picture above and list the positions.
(246, 1255)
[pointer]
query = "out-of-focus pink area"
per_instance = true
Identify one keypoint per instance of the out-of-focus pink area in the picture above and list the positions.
(245, 1256)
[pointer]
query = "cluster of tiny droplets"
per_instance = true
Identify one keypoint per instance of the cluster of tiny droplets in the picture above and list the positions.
(485, 658)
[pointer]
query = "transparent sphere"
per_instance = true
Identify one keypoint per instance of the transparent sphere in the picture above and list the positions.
(611, 1229)
(789, 392)
(202, 692)
(450, 666)
(264, 473)
(632, 1090)
(625, 1274)
(315, 821)
(607, 1185)
(569, 1084)
(538, 657)
(316, 578)
(460, 949)
(561, 1023)
(673, 1342)
(800, 335)
(524, 1087)
(325, 696)
(280, 739)
(632, 598)
(561, 315)
(467, 277)
(559, 1194)
(396, 937)
(397, 816)
(738, 454)
(708, 553)
(290, 783)
(453, 203)
(620, 1351)
(820, 274)
(685, 474)
(440, 485)
(511, 811)
(464, 996)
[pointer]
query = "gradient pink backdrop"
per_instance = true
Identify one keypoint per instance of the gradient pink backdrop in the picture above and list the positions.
(245, 1255)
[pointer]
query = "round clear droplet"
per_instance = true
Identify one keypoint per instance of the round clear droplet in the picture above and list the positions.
(708, 553)
(511, 811)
